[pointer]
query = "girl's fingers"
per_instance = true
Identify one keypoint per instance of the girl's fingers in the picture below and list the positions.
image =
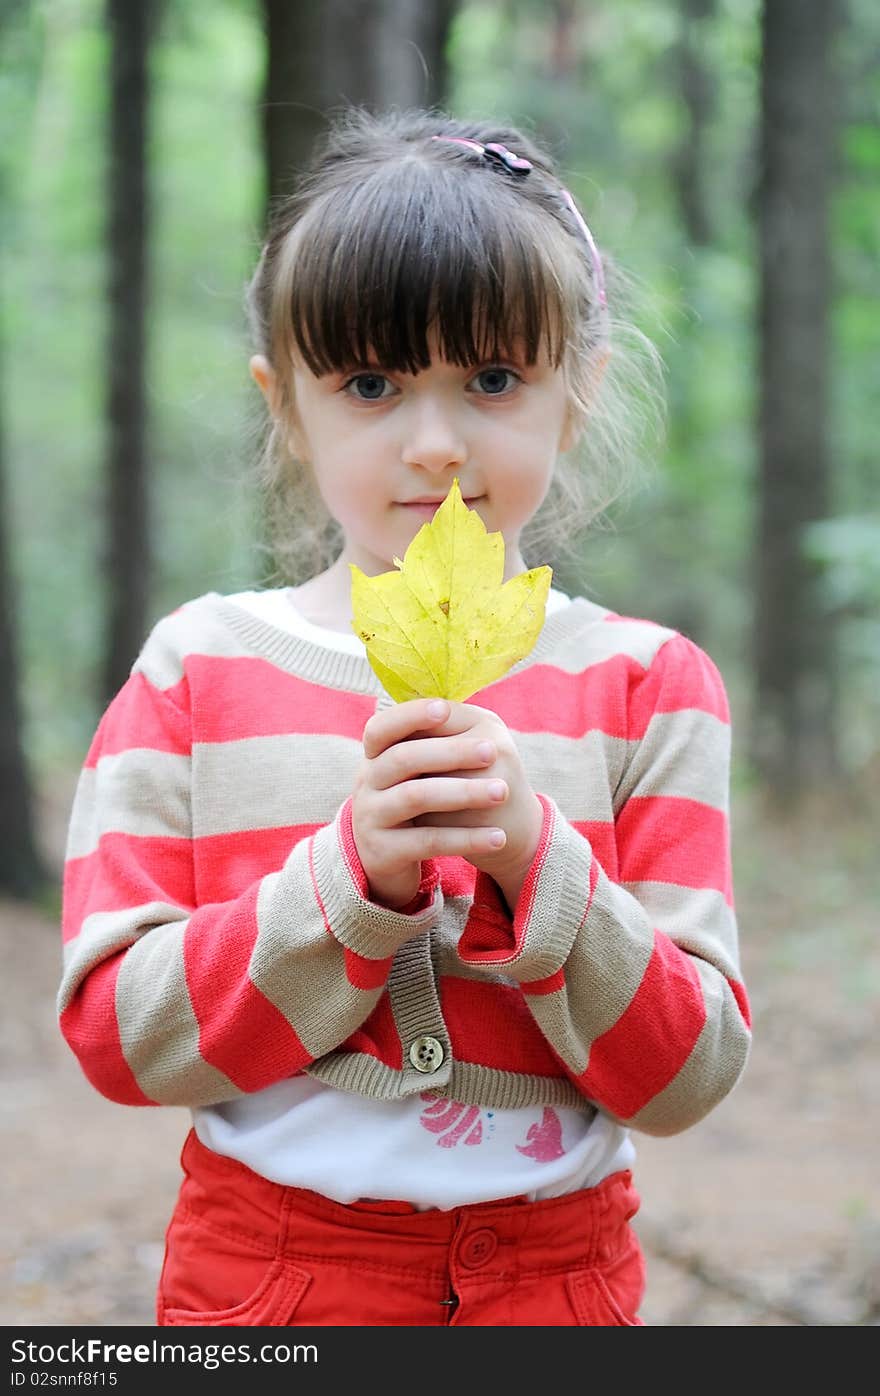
(444, 841)
(432, 796)
(419, 717)
(391, 725)
(423, 756)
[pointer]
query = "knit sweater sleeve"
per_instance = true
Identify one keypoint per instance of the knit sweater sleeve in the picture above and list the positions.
(635, 982)
(168, 1001)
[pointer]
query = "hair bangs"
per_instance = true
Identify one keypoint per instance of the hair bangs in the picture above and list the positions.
(419, 255)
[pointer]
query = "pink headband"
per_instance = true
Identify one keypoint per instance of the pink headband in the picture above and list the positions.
(517, 164)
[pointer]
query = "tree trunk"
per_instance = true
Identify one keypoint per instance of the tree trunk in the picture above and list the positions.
(21, 870)
(793, 731)
(127, 553)
(695, 88)
(372, 53)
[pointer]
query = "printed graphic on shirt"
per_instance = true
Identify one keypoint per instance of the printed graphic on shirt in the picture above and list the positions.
(544, 1139)
(453, 1122)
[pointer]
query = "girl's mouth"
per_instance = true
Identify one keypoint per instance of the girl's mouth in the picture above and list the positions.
(427, 508)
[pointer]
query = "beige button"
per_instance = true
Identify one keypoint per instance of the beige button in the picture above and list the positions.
(426, 1054)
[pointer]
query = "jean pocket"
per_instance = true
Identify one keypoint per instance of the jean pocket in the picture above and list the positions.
(220, 1280)
(272, 1304)
(608, 1297)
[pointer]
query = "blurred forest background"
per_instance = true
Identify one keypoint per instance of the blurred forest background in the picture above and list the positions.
(725, 152)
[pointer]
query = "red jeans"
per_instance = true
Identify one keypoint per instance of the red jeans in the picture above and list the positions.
(244, 1252)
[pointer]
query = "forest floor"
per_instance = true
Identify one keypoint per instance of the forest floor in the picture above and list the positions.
(765, 1214)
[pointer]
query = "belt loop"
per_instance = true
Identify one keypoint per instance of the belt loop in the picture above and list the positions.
(283, 1223)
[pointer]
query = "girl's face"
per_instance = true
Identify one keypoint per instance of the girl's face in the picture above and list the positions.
(385, 447)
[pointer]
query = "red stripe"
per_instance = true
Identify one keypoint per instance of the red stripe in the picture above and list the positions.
(488, 930)
(225, 863)
(491, 1024)
(241, 1033)
(140, 716)
(457, 876)
(666, 839)
(543, 698)
(739, 993)
(364, 973)
(250, 697)
(551, 985)
(652, 1039)
(487, 939)
(602, 838)
(123, 872)
(681, 677)
(90, 1027)
(378, 1036)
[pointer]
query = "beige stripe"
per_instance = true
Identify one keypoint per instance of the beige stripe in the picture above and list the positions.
(512, 1090)
(364, 1075)
(158, 1028)
(711, 1071)
(602, 975)
(683, 754)
(468, 1084)
(270, 782)
(138, 792)
(596, 643)
(82, 835)
(558, 904)
(102, 934)
(197, 628)
(299, 967)
(553, 1014)
(580, 772)
(416, 1008)
(698, 920)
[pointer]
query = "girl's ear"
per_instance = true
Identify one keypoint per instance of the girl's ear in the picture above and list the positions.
(574, 424)
(263, 375)
(266, 380)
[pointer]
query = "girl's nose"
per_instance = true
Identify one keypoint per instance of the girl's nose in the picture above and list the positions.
(433, 438)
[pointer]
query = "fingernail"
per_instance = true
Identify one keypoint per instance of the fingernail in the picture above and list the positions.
(498, 838)
(485, 751)
(497, 789)
(437, 708)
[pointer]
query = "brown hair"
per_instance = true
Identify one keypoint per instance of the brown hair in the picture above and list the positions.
(391, 234)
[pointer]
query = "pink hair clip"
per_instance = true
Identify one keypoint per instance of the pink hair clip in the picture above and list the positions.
(517, 164)
(494, 151)
(591, 243)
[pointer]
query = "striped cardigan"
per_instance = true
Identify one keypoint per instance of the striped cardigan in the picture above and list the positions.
(219, 934)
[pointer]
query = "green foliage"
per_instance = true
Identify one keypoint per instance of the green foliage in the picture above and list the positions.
(682, 552)
(206, 186)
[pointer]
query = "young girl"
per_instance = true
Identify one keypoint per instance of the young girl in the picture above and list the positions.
(418, 970)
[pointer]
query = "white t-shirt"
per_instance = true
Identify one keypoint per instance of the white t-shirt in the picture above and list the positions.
(429, 1151)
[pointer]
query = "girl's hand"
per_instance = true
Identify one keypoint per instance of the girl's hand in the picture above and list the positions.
(441, 784)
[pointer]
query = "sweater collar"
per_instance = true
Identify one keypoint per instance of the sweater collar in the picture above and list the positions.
(351, 672)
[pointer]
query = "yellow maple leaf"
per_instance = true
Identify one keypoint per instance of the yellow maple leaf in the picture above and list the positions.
(445, 625)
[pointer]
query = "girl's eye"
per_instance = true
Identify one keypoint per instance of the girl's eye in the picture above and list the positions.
(369, 387)
(496, 381)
